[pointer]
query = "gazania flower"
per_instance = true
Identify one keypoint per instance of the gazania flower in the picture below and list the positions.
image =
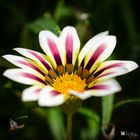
(65, 71)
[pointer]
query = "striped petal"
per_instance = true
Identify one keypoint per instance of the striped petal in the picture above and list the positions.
(31, 94)
(50, 97)
(52, 46)
(71, 44)
(37, 57)
(28, 77)
(82, 95)
(104, 88)
(109, 69)
(99, 52)
(92, 42)
(23, 63)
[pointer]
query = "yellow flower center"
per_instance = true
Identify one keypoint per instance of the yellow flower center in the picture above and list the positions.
(69, 81)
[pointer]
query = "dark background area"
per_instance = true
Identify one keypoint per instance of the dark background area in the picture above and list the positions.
(120, 17)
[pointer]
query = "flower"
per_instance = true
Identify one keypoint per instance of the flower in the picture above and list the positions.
(66, 70)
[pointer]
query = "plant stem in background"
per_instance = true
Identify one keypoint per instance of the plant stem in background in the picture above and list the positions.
(69, 127)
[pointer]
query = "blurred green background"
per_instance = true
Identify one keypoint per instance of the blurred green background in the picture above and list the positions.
(21, 20)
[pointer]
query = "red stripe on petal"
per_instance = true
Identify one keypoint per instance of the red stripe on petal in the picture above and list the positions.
(100, 87)
(31, 76)
(95, 56)
(41, 60)
(107, 67)
(37, 91)
(54, 51)
(31, 66)
(69, 48)
(106, 74)
(54, 93)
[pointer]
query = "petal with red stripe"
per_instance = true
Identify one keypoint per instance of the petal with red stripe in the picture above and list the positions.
(103, 88)
(37, 57)
(88, 46)
(31, 94)
(24, 63)
(52, 46)
(50, 97)
(109, 69)
(99, 52)
(71, 44)
(28, 77)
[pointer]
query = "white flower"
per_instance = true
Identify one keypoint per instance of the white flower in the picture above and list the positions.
(65, 70)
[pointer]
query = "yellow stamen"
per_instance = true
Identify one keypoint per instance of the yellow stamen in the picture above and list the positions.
(69, 81)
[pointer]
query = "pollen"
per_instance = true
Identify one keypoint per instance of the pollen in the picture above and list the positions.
(67, 81)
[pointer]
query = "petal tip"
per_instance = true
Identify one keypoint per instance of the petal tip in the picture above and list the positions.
(131, 65)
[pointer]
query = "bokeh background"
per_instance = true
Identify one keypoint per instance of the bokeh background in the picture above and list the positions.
(21, 20)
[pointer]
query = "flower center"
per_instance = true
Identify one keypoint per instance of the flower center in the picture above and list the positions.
(67, 81)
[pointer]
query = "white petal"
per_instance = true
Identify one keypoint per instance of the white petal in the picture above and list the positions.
(99, 52)
(52, 46)
(109, 69)
(82, 95)
(31, 93)
(103, 88)
(23, 63)
(91, 43)
(71, 43)
(16, 60)
(39, 58)
(28, 77)
(50, 97)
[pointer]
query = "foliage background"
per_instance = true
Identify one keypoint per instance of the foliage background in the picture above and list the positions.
(20, 23)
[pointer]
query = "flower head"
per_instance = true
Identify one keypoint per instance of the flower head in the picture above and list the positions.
(65, 70)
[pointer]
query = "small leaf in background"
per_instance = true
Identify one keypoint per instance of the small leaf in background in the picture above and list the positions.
(44, 23)
(89, 113)
(55, 120)
(93, 124)
(107, 108)
(127, 101)
(63, 11)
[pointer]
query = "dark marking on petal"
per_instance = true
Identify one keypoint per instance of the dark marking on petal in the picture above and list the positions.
(31, 66)
(90, 79)
(100, 87)
(37, 91)
(95, 56)
(79, 71)
(54, 93)
(60, 69)
(69, 48)
(54, 51)
(85, 73)
(52, 73)
(106, 68)
(48, 79)
(102, 75)
(82, 63)
(69, 68)
(34, 77)
(41, 60)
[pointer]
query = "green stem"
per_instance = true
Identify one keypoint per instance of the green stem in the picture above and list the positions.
(69, 127)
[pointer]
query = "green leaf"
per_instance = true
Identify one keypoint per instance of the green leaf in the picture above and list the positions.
(128, 101)
(107, 108)
(90, 132)
(93, 124)
(91, 114)
(54, 117)
(44, 23)
(62, 11)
